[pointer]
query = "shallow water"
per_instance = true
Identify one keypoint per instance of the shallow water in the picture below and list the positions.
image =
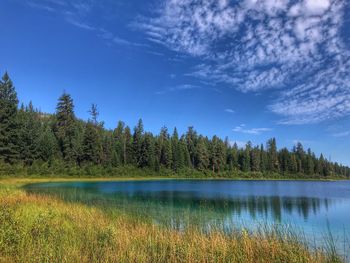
(313, 207)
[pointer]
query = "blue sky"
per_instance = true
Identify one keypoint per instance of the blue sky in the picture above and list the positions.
(249, 70)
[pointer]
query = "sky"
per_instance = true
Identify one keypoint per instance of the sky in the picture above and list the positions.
(249, 69)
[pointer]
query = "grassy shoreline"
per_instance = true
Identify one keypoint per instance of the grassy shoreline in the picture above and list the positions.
(10, 180)
(37, 228)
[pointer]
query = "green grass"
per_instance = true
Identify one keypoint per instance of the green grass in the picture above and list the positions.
(37, 228)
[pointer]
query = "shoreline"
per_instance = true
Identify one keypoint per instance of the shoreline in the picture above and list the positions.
(18, 181)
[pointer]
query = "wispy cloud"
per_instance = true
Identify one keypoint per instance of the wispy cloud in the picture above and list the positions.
(342, 134)
(187, 87)
(229, 111)
(78, 13)
(292, 45)
(183, 87)
(255, 131)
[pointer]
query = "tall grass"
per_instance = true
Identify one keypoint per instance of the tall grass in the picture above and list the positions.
(37, 228)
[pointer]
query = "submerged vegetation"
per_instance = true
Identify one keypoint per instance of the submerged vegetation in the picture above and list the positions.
(36, 143)
(36, 228)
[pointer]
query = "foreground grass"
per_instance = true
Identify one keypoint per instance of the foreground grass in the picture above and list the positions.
(44, 229)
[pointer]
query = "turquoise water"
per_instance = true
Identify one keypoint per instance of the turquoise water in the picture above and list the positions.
(312, 207)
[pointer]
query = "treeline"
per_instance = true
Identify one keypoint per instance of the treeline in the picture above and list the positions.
(30, 138)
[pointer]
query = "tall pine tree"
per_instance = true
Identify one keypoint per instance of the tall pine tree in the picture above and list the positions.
(8, 121)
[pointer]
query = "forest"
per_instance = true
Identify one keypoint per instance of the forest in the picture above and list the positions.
(37, 143)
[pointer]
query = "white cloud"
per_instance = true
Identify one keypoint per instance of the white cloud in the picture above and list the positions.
(254, 131)
(295, 46)
(341, 134)
(78, 13)
(229, 111)
(182, 87)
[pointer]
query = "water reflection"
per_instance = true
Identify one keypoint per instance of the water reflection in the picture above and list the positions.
(175, 204)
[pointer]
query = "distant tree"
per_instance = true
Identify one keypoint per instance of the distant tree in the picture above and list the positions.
(177, 156)
(263, 159)
(48, 149)
(137, 143)
(202, 155)
(94, 113)
(165, 157)
(273, 164)
(66, 128)
(92, 144)
(29, 137)
(128, 146)
(217, 154)
(191, 141)
(8, 123)
(245, 158)
(28, 133)
(284, 160)
(147, 152)
(255, 159)
(120, 143)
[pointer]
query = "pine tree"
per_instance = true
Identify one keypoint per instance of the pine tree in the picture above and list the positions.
(28, 134)
(191, 141)
(217, 154)
(310, 166)
(119, 142)
(177, 161)
(165, 158)
(293, 164)
(273, 164)
(128, 146)
(147, 152)
(245, 158)
(255, 159)
(284, 160)
(202, 155)
(263, 159)
(92, 146)
(234, 151)
(48, 149)
(8, 122)
(137, 143)
(185, 160)
(66, 128)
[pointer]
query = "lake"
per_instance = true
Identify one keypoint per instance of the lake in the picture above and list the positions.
(312, 207)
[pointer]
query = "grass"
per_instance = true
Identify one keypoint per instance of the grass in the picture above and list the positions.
(36, 228)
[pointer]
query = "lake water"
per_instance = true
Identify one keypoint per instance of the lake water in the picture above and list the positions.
(313, 207)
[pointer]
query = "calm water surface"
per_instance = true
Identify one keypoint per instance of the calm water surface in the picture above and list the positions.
(311, 206)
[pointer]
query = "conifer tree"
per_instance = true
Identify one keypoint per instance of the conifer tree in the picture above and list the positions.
(127, 146)
(191, 140)
(92, 146)
(28, 133)
(255, 159)
(165, 158)
(66, 128)
(137, 143)
(272, 156)
(202, 155)
(8, 122)
(177, 162)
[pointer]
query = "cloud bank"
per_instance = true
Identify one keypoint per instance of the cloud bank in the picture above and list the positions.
(292, 46)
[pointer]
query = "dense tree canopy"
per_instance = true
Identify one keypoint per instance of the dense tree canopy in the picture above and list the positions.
(28, 136)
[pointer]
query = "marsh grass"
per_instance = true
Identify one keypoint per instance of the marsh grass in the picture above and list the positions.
(36, 228)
